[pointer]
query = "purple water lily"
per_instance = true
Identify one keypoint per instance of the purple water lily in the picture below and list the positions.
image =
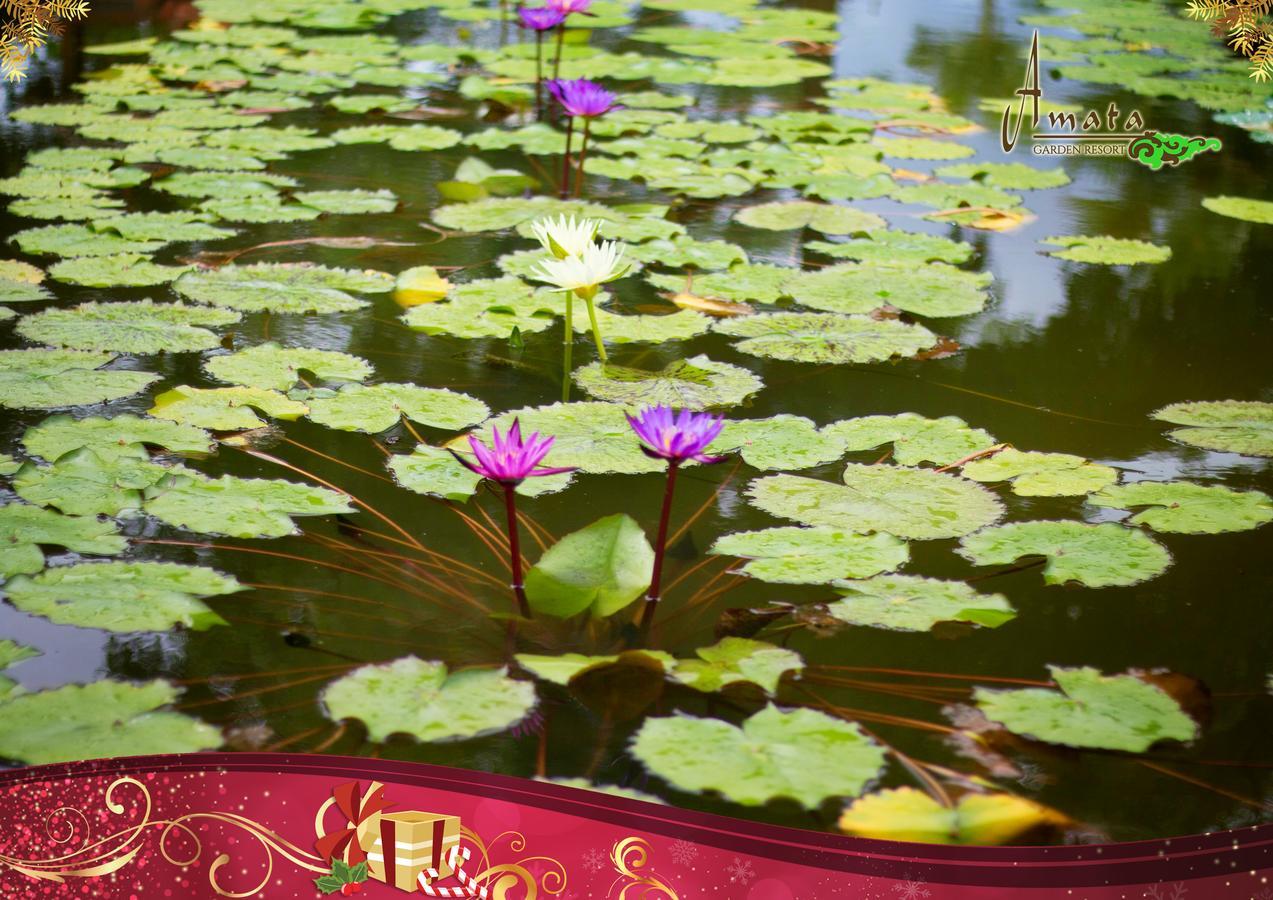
(509, 461)
(540, 18)
(586, 100)
(675, 439)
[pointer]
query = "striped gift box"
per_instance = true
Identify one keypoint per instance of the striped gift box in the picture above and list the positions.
(419, 840)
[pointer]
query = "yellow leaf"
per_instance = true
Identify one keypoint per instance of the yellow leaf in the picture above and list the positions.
(906, 814)
(420, 285)
(713, 306)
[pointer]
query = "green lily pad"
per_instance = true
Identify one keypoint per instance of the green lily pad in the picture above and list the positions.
(349, 202)
(825, 217)
(52, 379)
(915, 439)
(941, 195)
(601, 568)
(272, 367)
(1034, 474)
(922, 148)
(224, 409)
(794, 555)
(420, 698)
(141, 326)
(79, 240)
(23, 529)
(781, 442)
(1090, 710)
(979, 820)
(490, 307)
(378, 407)
(1247, 209)
(123, 596)
(12, 653)
(734, 660)
(120, 270)
(259, 209)
(896, 248)
(696, 383)
(206, 185)
(57, 436)
(747, 282)
(803, 754)
(283, 288)
(400, 137)
(910, 603)
(82, 483)
(212, 158)
(114, 718)
(1107, 250)
(564, 668)
(929, 290)
(826, 337)
(240, 507)
(1229, 426)
(1179, 506)
(1102, 555)
(435, 472)
(75, 209)
(499, 213)
(14, 291)
(1009, 176)
(917, 504)
(618, 329)
(162, 226)
(590, 435)
(683, 251)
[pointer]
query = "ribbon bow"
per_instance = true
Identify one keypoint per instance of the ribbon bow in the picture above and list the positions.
(356, 809)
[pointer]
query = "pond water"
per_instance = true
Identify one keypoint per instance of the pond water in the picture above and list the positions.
(1066, 357)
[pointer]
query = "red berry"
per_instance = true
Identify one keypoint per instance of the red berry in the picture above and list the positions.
(352, 887)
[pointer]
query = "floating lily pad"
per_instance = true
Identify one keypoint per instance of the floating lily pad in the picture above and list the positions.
(434, 471)
(349, 202)
(1248, 209)
(564, 668)
(223, 185)
(734, 660)
(748, 282)
(696, 383)
(1107, 250)
(682, 251)
(826, 337)
(1034, 474)
(1188, 508)
(121, 270)
(23, 529)
(82, 483)
(240, 507)
(601, 568)
(400, 137)
(922, 148)
(79, 240)
(803, 754)
(378, 407)
(1230, 426)
(930, 290)
(487, 308)
(907, 814)
(825, 217)
(259, 209)
(420, 698)
(1102, 555)
(793, 555)
(916, 504)
(59, 435)
(591, 435)
(210, 158)
(123, 596)
(162, 226)
(1091, 710)
(897, 248)
(617, 329)
(910, 603)
(282, 288)
(224, 409)
(915, 439)
(271, 367)
(114, 718)
(141, 326)
(941, 195)
(1009, 176)
(781, 442)
(51, 379)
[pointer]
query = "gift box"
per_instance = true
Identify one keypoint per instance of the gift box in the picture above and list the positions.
(361, 814)
(419, 841)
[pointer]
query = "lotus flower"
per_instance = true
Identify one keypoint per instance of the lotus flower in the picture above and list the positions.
(540, 18)
(564, 237)
(582, 97)
(510, 459)
(676, 438)
(584, 274)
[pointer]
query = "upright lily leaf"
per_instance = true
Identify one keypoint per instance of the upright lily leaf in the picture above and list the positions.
(826, 337)
(1188, 508)
(917, 504)
(123, 596)
(601, 568)
(420, 698)
(1091, 710)
(735, 660)
(696, 383)
(1102, 555)
(1106, 250)
(115, 718)
(240, 507)
(1248, 209)
(915, 439)
(51, 379)
(794, 555)
(224, 409)
(378, 407)
(910, 603)
(1035, 474)
(1232, 426)
(141, 327)
(271, 367)
(930, 290)
(268, 287)
(23, 529)
(825, 217)
(897, 248)
(59, 435)
(908, 814)
(803, 754)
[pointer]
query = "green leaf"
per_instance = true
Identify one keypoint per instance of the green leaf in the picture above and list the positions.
(562, 669)
(826, 337)
(162, 226)
(1248, 209)
(50, 379)
(940, 195)
(328, 884)
(490, 307)
(917, 504)
(794, 555)
(85, 484)
(1179, 506)
(1035, 474)
(1229, 426)
(258, 209)
(224, 409)
(378, 407)
(79, 240)
(928, 290)
(114, 718)
(695, 383)
(915, 439)
(272, 367)
(120, 270)
(283, 288)
(601, 568)
(419, 698)
(590, 435)
(1094, 555)
(617, 329)
(123, 596)
(789, 214)
(207, 158)
(803, 754)
(240, 507)
(1010, 176)
(747, 282)
(57, 436)
(399, 137)
(1106, 250)
(682, 252)
(139, 327)
(735, 660)
(781, 442)
(896, 248)
(23, 529)
(908, 814)
(1090, 710)
(349, 202)
(910, 603)
(434, 471)
(922, 148)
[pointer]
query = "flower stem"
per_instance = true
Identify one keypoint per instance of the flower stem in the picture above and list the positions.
(565, 160)
(568, 343)
(596, 331)
(515, 553)
(539, 76)
(561, 36)
(583, 155)
(660, 548)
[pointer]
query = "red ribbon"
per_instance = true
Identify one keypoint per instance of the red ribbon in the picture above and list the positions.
(356, 808)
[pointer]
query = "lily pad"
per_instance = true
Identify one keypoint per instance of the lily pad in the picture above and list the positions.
(259, 209)
(734, 660)
(794, 555)
(240, 507)
(79, 240)
(82, 483)
(601, 568)
(487, 308)
(826, 337)
(1179, 506)
(349, 202)
(282, 288)
(922, 148)
(57, 436)
(378, 407)
(897, 248)
(224, 409)
(141, 326)
(400, 137)
(24, 529)
(1102, 555)
(123, 596)
(434, 471)
(1230, 426)
(916, 504)
(929, 290)
(1009, 176)
(51, 379)
(1090, 710)
(907, 814)
(420, 698)
(564, 668)
(682, 251)
(271, 367)
(590, 435)
(12, 653)
(782, 442)
(1248, 209)
(162, 226)
(1106, 250)
(747, 282)
(618, 329)
(121, 270)
(825, 217)
(114, 718)
(696, 383)
(803, 754)
(910, 603)
(1034, 474)
(915, 439)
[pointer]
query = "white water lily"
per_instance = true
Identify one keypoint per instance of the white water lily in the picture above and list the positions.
(563, 237)
(584, 274)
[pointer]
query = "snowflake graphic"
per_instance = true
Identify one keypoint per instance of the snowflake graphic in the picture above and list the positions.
(594, 860)
(740, 871)
(683, 852)
(1175, 891)
(1264, 894)
(910, 890)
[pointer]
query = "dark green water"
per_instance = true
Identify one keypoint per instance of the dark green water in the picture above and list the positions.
(1067, 358)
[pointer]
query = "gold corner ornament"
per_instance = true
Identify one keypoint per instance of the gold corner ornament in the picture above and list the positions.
(630, 857)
